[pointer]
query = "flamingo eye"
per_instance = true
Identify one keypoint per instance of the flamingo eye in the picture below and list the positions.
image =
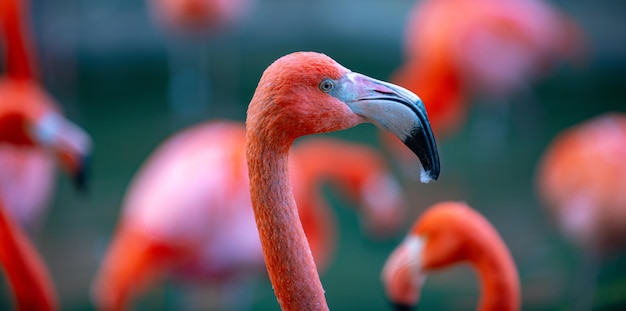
(326, 85)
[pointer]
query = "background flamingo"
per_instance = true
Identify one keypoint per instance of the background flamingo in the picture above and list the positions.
(188, 26)
(458, 51)
(450, 233)
(581, 180)
(35, 134)
(188, 212)
(307, 93)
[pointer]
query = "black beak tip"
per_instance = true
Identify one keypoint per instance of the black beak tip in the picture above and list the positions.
(81, 176)
(424, 146)
(434, 172)
(403, 307)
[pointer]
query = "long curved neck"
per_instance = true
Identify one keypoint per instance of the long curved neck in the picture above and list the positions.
(24, 268)
(498, 276)
(19, 56)
(288, 258)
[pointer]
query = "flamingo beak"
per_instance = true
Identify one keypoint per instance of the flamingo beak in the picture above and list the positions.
(403, 307)
(70, 143)
(402, 274)
(392, 108)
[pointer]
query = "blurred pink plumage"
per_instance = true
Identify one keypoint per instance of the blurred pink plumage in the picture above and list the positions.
(458, 51)
(581, 180)
(188, 211)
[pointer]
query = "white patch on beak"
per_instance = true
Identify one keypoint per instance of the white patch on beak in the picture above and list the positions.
(48, 128)
(415, 246)
(53, 130)
(424, 174)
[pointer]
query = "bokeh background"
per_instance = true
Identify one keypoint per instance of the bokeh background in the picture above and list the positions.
(106, 63)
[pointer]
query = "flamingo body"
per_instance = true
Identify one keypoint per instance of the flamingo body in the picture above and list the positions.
(24, 168)
(458, 49)
(581, 179)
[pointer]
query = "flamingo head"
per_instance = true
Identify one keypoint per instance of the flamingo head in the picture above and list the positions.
(435, 241)
(29, 118)
(305, 93)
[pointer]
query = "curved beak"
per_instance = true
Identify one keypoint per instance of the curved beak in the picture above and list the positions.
(71, 144)
(402, 276)
(395, 109)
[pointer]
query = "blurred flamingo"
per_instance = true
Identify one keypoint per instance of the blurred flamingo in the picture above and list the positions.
(450, 233)
(188, 24)
(33, 133)
(305, 93)
(581, 179)
(188, 212)
(459, 50)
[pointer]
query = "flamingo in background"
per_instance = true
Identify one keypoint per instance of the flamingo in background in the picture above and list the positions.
(459, 50)
(33, 133)
(446, 234)
(188, 212)
(581, 179)
(188, 24)
(305, 93)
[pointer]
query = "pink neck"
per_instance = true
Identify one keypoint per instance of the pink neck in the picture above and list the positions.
(19, 58)
(25, 270)
(500, 286)
(288, 258)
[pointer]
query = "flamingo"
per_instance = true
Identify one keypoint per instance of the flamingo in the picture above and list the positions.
(446, 234)
(33, 132)
(305, 93)
(202, 229)
(188, 24)
(581, 179)
(456, 51)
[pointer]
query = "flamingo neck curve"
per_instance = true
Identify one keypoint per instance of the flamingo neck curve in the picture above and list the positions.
(19, 59)
(27, 274)
(288, 257)
(500, 287)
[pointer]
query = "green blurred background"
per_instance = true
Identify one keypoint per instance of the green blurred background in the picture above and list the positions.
(106, 63)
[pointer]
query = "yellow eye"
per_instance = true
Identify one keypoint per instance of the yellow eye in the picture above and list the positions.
(326, 85)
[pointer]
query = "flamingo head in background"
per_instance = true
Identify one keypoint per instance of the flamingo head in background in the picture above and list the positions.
(449, 233)
(328, 97)
(30, 118)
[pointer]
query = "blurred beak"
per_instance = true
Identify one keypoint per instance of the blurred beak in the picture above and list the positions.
(403, 307)
(402, 274)
(394, 109)
(70, 143)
